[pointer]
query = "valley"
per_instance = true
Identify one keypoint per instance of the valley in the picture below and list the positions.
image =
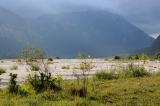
(66, 68)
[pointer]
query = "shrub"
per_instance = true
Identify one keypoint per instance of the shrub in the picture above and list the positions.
(135, 71)
(50, 59)
(144, 57)
(14, 67)
(19, 60)
(26, 89)
(43, 83)
(137, 57)
(106, 75)
(117, 57)
(34, 67)
(57, 58)
(13, 87)
(2, 70)
(133, 57)
(66, 67)
(49, 62)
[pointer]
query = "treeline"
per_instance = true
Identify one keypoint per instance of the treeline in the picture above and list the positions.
(142, 56)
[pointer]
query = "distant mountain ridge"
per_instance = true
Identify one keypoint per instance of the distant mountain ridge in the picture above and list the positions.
(155, 35)
(14, 33)
(97, 32)
(156, 45)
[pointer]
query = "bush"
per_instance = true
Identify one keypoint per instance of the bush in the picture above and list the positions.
(43, 83)
(50, 59)
(19, 60)
(135, 71)
(26, 89)
(34, 67)
(14, 67)
(137, 57)
(117, 57)
(13, 87)
(57, 58)
(106, 75)
(66, 67)
(50, 62)
(133, 57)
(2, 70)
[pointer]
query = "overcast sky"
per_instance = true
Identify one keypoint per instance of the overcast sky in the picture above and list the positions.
(143, 13)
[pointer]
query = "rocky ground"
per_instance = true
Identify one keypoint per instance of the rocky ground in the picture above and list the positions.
(56, 68)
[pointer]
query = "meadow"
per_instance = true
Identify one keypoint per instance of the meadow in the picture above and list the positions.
(117, 92)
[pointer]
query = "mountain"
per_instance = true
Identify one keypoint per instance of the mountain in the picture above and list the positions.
(14, 33)
(156, 45)
(155, 35)
(97, 32)
(154, 48)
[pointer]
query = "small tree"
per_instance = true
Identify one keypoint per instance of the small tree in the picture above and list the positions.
(85, 67)
(37, 61)
(144, 57)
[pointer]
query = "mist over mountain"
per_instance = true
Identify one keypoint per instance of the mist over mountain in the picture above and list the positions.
(94, 31)
(14, 32)
(142, 13)
(97, 32)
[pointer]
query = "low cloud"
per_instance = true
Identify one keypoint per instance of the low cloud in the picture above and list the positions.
(143, 13)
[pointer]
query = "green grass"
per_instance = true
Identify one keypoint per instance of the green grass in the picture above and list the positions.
(2, 70)
(120, 92)
(106, 75)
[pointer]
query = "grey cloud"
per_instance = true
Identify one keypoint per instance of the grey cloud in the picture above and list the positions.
(143, 13)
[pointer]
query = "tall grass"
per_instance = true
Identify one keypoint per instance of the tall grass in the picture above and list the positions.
(2, 70)
(106, 75)
(130, 71)
(135, 71)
